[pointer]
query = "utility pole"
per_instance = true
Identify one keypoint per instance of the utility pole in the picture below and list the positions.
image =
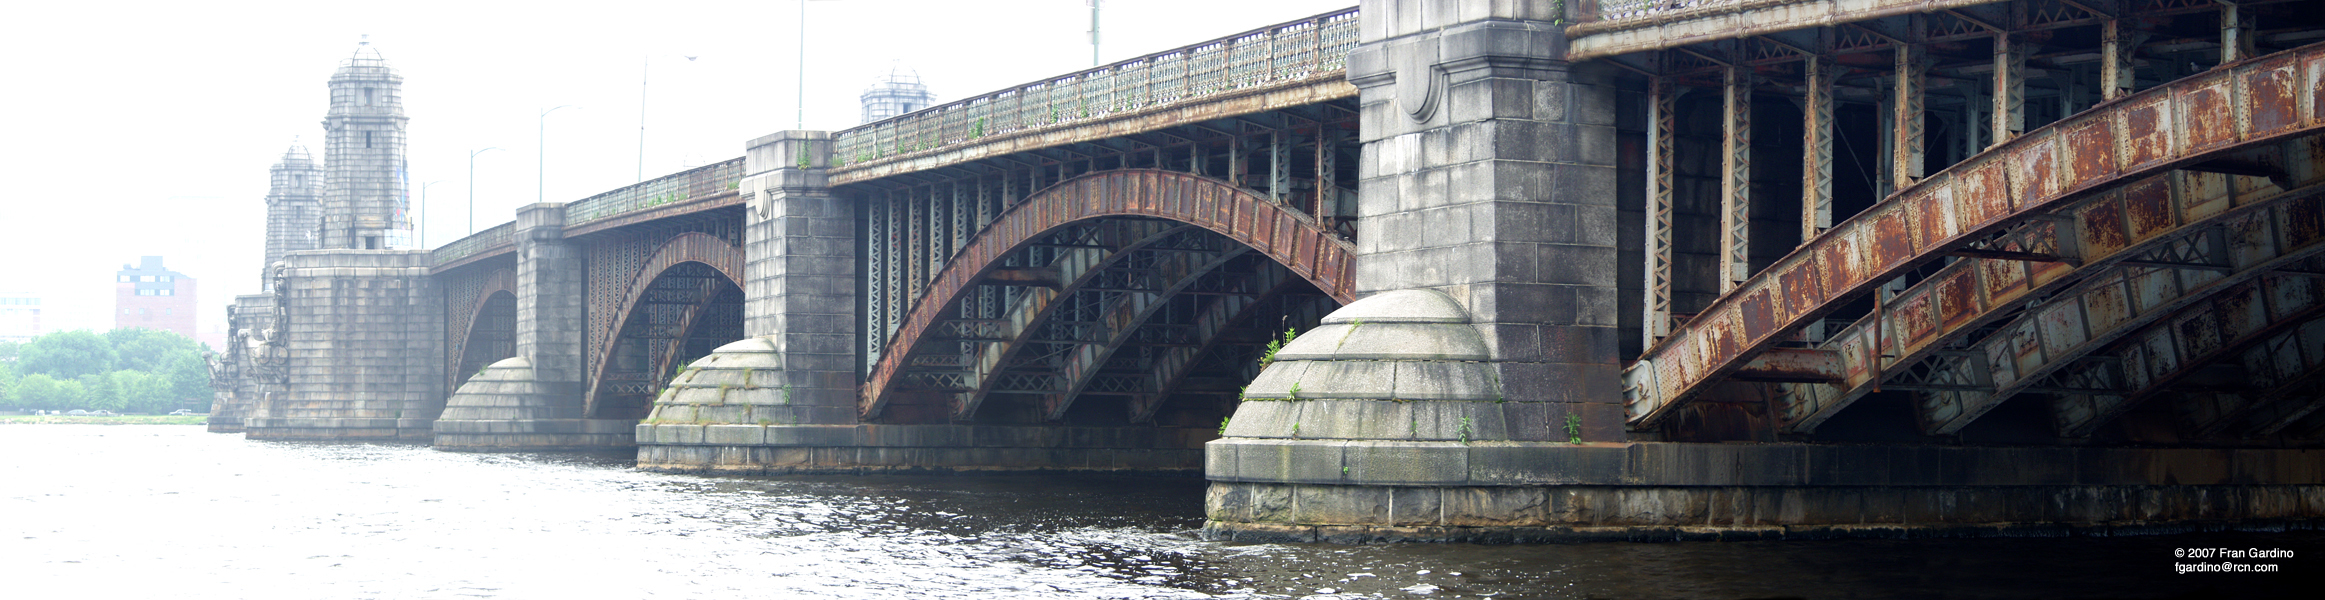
(1094, 32)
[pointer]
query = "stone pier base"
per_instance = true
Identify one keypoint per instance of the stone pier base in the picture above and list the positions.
(534, 435)
(337, 430)
(224, 425)
(799, 449)
(1295, 490)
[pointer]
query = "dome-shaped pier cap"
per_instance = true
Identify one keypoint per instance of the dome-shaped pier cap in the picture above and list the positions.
(1400, 365)
(740, 383)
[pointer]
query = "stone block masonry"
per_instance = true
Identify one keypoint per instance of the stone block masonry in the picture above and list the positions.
(1492, 161)
(364, 332)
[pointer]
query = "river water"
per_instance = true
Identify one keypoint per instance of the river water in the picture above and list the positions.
(92, 511)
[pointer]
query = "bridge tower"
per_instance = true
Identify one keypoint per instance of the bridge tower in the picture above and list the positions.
(357, 325)
(364, 203)
(294, 207)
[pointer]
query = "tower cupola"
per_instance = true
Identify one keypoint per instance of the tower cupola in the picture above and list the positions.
(364, 202)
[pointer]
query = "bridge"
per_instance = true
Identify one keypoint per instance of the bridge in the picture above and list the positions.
(1558, 270)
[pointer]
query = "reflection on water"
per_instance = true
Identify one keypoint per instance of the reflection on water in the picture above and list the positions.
(155, 511)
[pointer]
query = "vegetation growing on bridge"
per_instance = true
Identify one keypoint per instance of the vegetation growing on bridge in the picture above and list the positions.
(132, 370)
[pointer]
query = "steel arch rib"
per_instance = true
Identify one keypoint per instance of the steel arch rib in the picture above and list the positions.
(1281, 233)
(1132, 313)
(2257, 101)
(1167, 371)
(1075, 269)
(2156, 213)
(695, 247)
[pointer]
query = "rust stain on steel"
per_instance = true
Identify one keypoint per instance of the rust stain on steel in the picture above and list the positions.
(2034, 167)
(2091, 148)
(1759, 313)
(2150, 209)
(1958, 298)
(2270, 100)
(2304, 223)
(1982, 194)
(2100, 224)
(1793, 364)
(2147, 131)
(1916, 321)
(1892, 244)
(1204, 199)
(2211, 114)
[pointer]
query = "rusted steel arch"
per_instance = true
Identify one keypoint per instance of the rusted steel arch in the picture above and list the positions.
(1918, 331)
(694, 247)
(500, 281)
(2236, 324)
(1103, 245)
(2179, 124)
(1281, 233)
(1125, 318)
(2028, 353)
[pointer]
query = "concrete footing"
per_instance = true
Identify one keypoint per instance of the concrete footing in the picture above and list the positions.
(1291, 490)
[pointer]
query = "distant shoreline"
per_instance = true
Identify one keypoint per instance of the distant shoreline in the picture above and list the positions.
(113, 420)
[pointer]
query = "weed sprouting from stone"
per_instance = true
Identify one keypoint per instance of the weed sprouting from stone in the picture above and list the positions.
(1223, 424)
(1573, 428)
(1295, 389)
(1465, 430)
(1295, 429)
(1269, 357)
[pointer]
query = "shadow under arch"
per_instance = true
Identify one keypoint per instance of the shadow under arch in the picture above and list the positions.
(491, 332)
(1132, 209)
(684, 301)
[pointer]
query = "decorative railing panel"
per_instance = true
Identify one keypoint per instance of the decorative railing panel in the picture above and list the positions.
(476, 243)
(699, 182)
(1311, 49)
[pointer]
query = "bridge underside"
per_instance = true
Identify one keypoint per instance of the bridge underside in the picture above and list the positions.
(1886, 230)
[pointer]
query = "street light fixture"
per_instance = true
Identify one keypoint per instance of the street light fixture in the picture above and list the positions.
(645, 67)
(541, 162)
(472, 187)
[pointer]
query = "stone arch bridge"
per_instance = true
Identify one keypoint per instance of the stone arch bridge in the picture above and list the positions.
(1767, 265)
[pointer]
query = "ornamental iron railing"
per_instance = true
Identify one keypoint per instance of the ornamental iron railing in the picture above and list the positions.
(1311, 49)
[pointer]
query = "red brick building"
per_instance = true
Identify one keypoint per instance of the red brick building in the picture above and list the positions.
(151, 296)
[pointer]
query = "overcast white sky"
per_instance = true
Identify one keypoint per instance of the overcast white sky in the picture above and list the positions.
(146, 128)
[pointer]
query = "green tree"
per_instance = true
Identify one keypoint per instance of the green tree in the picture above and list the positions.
(149, 350)
(9, 350)
(8, 385)
(98, 393)
(40, 391)
(66, 355)
(142, 392)
(188, 378)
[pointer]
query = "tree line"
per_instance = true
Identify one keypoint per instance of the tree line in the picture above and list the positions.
(134, 370)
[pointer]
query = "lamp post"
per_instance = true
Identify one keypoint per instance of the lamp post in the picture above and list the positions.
(802, 102)
(472, 187)
(423, 225)
(645, 67)
(541, 162)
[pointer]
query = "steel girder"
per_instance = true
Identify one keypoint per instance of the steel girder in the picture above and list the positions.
(1921, 336)
(2194, 120)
